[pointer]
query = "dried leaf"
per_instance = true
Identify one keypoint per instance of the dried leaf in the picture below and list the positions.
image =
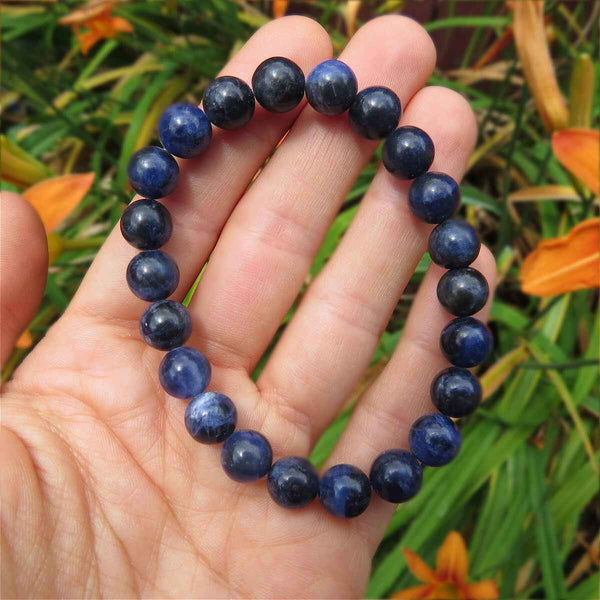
(578, 150)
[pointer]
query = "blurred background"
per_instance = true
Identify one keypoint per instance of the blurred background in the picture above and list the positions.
(83, 86)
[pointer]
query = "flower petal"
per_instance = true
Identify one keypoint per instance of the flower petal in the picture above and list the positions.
(578, 150)
(483, 590)
(418, 592)
(453, 559)
(25, 340)
(418, 567)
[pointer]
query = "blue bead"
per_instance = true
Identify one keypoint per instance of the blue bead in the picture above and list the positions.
(166, 324)
(396, 475)
(152, 275)
(466, 342)
(455, 392)
(434, 440)
(210, 417)
(433, 197)
(246, 455)
(184, 372)
(408, 152)
(331, 87)
(345, 491)
(293, 482)
(146, 224)
(184, 130)
(278, 84)
(454, 244)
(463, 292)
(228, 102)
(375, 112)
(153, 172)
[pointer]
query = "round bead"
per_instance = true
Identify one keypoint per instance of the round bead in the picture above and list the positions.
(455, 392)
(454, 244)
(152, 275)
(146, 224)
(293, 482)
(153, 172)
(466, 342)
(375, 112)
(331, 87)
(463, 292)
(396, 475)
(246, 455)
(408, 152)
(278, 84)
(166, 324)
(433, 197)
(184, 130)
(434, 440)
(210, 417)
(184, 372)
(345, 491)
(228, 102)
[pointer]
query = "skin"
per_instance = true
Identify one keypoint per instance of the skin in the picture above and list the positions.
(103, 491)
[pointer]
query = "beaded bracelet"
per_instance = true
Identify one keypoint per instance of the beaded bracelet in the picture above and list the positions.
(210, 417)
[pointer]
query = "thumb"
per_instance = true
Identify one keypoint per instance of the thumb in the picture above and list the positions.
(23, 268)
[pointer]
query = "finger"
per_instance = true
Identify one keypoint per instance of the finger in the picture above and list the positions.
(24, 266)
(348, 306)
(266, 249)
(210, 185)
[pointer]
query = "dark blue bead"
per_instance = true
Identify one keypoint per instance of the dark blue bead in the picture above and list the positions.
(396, 475)
(331, 87)
(184, 372)
(345, 491)
(433, 197)
(466, 342)
(184, 130)
(278, 84)
(454, 244)
(152, 275)
(210, 417)
(166, 324)
(228, 102)
(153, 172)
(434, 440)
(246, 455)
(146, 224)
(375, 112)
(408, 152)
(463, 292)
(293, 482)
(455, 392)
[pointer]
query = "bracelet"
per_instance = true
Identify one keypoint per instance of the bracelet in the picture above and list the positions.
(185, 131)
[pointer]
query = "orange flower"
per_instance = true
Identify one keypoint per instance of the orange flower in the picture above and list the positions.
(96, 17)
(449, 580)
(578, 150)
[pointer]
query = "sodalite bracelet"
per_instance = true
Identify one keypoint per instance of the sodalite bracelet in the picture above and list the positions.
(211, 417)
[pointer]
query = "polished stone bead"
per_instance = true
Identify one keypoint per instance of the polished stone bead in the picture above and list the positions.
(152, 275)
(184, 372)
(396, 475)
(454, 244)
(345, 491)
(433, 197)
(166, 324)
(331, 87)
(375, 112)
(278, 84)
(463, 292)
(466, 342)
(455, 392)
(184, 130)
(146, 224)
(210, 417)
(228, 102)
(246, 455)
(434, 440)
(293, 482)
(153, 172)
(408, 152)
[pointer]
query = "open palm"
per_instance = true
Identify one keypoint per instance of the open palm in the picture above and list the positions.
(104, 492)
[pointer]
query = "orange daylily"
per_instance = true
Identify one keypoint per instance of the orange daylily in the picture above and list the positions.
(449, 580)
(578, 150)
